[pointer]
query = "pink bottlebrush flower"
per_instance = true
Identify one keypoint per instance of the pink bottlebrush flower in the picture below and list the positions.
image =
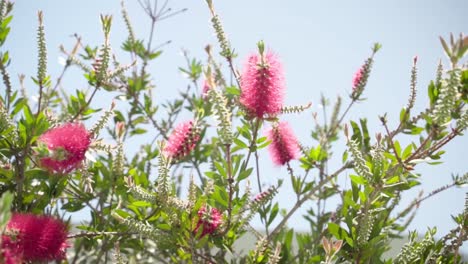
(208, 220)
(263, 85)
(30, 237)
(357, 79)
(67, 145)
(183, 139)
(284, 146)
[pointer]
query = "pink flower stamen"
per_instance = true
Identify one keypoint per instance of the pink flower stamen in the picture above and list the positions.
(29, 237)
(284, 146)
(67, 145)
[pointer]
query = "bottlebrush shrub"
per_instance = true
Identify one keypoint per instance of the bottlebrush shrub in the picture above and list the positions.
(189, 191)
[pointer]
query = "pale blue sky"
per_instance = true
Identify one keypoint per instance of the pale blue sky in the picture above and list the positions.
(321, 44)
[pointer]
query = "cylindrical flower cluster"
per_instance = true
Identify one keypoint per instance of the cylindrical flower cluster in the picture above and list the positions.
(357, 79)
(209, 220)
(360, 79)
(66, 145)
(284, 146)
(262, 84)
(29, 237)
(182, 141)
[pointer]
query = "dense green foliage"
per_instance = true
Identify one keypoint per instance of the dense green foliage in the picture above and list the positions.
(140, 210)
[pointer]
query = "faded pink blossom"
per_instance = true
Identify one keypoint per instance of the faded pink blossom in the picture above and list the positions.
(67, 145)
(259, 196)
(30, 237)
(284, 146)
(262, 84)
(357, 79)
(208, 220)
(183, 139)
(206, 89)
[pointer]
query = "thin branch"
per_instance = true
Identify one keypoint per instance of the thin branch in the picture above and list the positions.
(230, 182)
(417, 202)
(7, 82)
(94, 234)
(337, 124)
(306, 197)
(86, 105)
(390, 142)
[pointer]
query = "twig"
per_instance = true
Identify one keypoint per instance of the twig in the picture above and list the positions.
(86, 105)
(390, 142)
(306, 197)
(418, 201)
(337, 124)
(94, 234)
(7, 82)
(230, 182)
(252, 144)
(423, 144)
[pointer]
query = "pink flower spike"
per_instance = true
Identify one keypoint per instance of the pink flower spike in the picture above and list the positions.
(29, 237)
(67, 145)
(262, 84)
(208, 220)
(357, 79)
(284, 146)
(182, 141)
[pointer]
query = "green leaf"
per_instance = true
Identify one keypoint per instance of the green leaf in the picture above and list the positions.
(138, 131)
(273, 213)
(337, 231)
(358, 179)
(141, 204)
(28, 115)
(154, 55)
(240, 143)
(345, 156)
(407, 152)
(220, 195)
(365, 132)
(73, 206)
(433, 92)
(397, 147)
(232, 90)
(220, 169)
(244, 174)
(5, 208)
(403, 116)
(445, 46)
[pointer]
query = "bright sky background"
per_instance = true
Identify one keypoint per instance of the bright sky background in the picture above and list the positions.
(321, 43)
